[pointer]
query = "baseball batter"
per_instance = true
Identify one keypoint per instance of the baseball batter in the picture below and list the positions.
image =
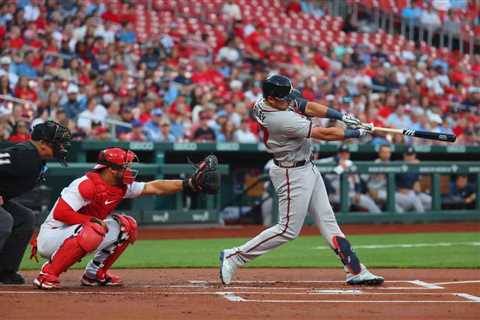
(284, 117)
(82, 219)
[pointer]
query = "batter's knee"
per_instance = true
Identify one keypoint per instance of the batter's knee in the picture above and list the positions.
(290, 233)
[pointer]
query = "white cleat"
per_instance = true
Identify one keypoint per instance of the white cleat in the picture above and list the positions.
(365, 277)
(227, 268)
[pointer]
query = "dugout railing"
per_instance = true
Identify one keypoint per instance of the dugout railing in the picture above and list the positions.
(436, 170)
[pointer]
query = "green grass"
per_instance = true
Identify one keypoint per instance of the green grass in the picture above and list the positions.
(304, 252)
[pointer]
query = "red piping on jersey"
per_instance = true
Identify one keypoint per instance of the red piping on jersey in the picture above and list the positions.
(266, 135)
(286, 225)
(64, 213)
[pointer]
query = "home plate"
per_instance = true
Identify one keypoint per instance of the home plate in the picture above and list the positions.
(338, 291)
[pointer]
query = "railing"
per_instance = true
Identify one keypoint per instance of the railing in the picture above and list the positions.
(434, 169)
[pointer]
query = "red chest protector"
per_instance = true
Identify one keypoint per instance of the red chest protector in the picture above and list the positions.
(103, 198)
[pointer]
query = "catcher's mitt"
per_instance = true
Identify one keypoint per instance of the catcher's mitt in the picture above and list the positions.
(205, 178)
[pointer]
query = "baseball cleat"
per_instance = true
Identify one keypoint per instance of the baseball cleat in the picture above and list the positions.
(227, 268)
(365, 277)
(46, 281)
(105, 279)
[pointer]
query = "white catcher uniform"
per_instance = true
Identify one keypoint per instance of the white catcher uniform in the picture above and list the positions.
(298, 184)
(54, 232)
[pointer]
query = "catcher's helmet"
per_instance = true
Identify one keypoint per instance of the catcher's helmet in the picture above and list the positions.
(118, 159)
(58, 136)
(277, 86)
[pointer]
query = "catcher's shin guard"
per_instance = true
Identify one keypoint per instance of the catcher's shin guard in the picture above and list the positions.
(348, 257)
(128, 235)
(75, 248)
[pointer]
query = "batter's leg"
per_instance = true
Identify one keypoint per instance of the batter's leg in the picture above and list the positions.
(325, 219)
(294, 189)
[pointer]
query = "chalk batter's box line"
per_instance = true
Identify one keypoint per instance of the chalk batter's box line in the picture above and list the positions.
(417, 284)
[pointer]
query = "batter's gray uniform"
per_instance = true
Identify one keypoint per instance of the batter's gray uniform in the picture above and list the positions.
(297, 182)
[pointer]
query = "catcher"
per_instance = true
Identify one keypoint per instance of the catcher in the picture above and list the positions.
(82, 219)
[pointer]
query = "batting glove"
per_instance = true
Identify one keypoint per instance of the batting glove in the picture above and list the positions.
(350, 120)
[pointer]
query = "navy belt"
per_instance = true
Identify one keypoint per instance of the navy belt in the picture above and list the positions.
(295, 164)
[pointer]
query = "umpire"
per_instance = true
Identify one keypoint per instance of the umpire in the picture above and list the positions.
(21, 167)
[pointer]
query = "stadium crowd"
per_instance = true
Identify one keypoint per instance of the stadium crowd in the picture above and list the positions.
(84, 64)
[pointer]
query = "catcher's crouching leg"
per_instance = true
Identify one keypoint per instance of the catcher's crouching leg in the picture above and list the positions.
(96, 273)
(348, 257)
(74, 248)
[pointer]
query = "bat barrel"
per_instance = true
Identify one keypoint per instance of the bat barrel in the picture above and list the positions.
(448, 137)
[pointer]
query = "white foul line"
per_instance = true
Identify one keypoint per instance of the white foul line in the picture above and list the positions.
(468, 297)
(356, 301)
(231, 296)
(425, 285)
(457, 282)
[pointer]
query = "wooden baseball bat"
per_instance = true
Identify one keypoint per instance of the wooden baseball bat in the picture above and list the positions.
(449, 137)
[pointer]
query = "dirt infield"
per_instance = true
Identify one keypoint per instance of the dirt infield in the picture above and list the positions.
(258, 294)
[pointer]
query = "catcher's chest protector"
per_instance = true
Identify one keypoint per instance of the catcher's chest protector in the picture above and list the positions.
(104, 198)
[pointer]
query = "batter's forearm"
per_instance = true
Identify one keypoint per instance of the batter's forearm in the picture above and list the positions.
(334, 133)
(162, 187)
(314, 109)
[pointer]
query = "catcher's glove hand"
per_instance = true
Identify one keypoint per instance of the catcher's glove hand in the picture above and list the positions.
(205, 178)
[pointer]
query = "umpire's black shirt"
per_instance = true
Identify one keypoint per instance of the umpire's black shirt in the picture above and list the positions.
(20, 169)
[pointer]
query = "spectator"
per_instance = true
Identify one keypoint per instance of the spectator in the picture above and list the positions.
(73, 107)
(21, 132)
(409, 195)
(127, 33)
(430, 19)
(94, 114)
(153, 128)
(310, 7)
(244, 134)
(461, 194)
(26, 68)
(355, 196)
(5, 69)
(24, 91)
(167, 136)
(204, 133)
(136, 134)
(5, 86)
(232, 11)
(294, 6)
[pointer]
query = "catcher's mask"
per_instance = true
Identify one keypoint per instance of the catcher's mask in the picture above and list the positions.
(57, 136)
(118, 159)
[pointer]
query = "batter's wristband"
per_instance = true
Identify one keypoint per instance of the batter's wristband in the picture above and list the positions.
(351, 133)
(334, 114)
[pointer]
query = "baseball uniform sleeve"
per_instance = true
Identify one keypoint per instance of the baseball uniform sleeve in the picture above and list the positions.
(297, 126)
(134, 190)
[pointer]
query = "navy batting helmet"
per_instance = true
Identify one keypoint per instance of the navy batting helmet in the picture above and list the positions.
(277, 86)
